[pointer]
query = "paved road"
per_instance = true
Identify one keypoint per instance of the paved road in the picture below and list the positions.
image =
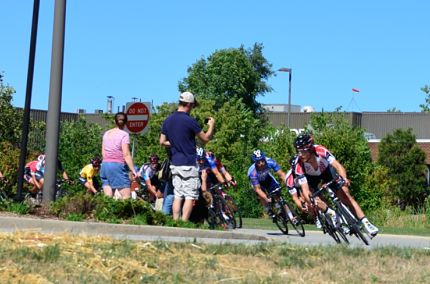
(152, 233)
(318, 238)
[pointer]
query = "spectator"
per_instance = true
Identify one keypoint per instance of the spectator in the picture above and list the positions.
(167, 186)
(148, 173)
(87, 176)
(117, 160)
(40, 170)
(178, 132)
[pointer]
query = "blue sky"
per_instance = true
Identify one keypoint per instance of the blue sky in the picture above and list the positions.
(136, 48)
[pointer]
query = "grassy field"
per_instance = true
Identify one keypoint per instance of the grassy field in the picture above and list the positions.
(31, 257)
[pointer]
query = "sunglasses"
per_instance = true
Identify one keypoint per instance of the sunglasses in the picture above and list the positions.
(304, 151)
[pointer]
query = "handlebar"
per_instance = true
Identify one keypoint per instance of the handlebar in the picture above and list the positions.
(216, 185)
(337, 179)
(275, 192)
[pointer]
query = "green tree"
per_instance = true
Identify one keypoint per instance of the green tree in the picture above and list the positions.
(426, 107)
(79, 141)
(10, 120)
(279, 145)
(148, 143)
(230, 73)
(405, 161)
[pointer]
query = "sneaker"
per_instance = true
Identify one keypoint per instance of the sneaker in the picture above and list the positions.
(318, 223)
(371, 229)
(225, 216)
(294, 221)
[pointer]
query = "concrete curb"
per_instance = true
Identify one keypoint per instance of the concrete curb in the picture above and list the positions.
(14, 223)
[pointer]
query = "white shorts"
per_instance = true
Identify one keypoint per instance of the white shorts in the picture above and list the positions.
(186, 181)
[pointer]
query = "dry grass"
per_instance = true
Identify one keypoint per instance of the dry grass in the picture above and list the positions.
(31, 257)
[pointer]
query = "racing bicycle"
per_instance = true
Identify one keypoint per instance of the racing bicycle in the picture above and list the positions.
(347, 218)
(223, 211)
(284, 213)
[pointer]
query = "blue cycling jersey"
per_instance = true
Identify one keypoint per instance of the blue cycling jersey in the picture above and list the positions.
(209, 162)
(263, 177)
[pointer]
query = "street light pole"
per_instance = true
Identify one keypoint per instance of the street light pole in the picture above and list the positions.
(289, 70)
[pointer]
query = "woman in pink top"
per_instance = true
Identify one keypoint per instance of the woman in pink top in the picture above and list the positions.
(117, 160)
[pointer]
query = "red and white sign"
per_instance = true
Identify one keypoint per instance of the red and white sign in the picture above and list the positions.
(138, 115)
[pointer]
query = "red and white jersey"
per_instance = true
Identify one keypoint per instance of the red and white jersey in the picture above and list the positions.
(324, 159)
(32, 165)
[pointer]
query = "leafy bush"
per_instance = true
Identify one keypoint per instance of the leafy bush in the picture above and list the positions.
(103, 208)
(79, 142)
(376, 191)
(405, 162)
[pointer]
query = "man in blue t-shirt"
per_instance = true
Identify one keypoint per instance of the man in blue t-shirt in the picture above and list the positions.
(178, 132)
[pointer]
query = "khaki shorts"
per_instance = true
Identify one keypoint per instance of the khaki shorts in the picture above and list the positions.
(186, 181)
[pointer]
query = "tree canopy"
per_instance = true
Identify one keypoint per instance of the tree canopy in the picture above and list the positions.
(234, 73)
(10, 125)
(426, 107)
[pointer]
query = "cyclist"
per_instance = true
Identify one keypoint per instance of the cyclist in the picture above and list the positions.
(88, 173)
(33, 174)
(318, 164)
(212, 170)
(294, 188)
(148, 174)
(41, 169)
(259, 173)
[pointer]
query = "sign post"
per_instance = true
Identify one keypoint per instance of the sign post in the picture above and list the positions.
(138, 115)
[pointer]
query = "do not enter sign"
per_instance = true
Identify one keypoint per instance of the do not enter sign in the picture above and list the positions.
(137, 117)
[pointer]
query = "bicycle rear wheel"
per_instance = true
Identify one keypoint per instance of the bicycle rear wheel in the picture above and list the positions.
(297, 225)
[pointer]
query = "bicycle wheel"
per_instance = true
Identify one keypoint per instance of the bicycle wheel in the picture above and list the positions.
(352, 222)
(215, 215)
(211, 219)
(235, 210)
(281, 220)
(297, 224)
(226, 214)
(328, 227)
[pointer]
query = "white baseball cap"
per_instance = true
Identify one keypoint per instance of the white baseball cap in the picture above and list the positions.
(187, 97)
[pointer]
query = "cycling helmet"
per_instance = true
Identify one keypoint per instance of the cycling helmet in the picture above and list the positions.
(41, 160)
(153, 159)
(304, 140)
(95, 161)
(200, 153)
(258, 155)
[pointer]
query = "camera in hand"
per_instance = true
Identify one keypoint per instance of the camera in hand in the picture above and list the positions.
(206, 120)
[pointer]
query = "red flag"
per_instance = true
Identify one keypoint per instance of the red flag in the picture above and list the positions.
(355, 90)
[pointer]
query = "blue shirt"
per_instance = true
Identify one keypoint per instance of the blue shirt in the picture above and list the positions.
(263, 177)
(181, 130)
